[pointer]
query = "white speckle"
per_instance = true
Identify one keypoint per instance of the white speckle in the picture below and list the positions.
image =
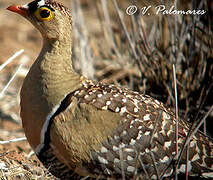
(147, 150)
(135, 109)
(41, 3)
(185, 131)
(107, 171)
(132, 142)
(115, 95)
(76, 93)
(151, 126)
(102, 160)
(108, 103)
(115, 148)
(139, 134)
(163, 132)
(122, 145)
(124, 100)
(116, 160)
(156, 135)
(104, 150)
(104, 92)
(146, 117)
(90, 92)
(155, 149)
(123, 110)
(132, 122)
(141, 96)
(86, 96)
(195, 157)
(3, 166)
(147, 101)
(147, 133)
(94, 100)
(124, 133)
(116, 137)
(100, 95)
(154, 177)
(140, 127)
(129, 116)
(167, 144)
(117, 109)
(169, 132)
(142, 153)
(85, 84)
(137, 120)
(166, 115)
(104, 108)
(192, 143)
(130, 168)
(135, 101)
(180, 141)
(183, 167)
(165, 159)
(129, 150)
(164, 123)
(157, 102)
(130, 158)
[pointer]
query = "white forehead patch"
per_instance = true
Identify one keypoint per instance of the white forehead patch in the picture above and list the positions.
(41, 3)
(25, 6)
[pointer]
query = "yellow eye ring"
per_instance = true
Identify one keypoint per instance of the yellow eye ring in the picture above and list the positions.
(44, 14)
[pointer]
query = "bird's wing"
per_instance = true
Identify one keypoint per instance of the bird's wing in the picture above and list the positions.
(113, 130)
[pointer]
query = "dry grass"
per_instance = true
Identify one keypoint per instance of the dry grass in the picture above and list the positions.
(168, 57)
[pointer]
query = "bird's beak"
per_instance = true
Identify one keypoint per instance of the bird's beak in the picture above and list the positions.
(18, 9)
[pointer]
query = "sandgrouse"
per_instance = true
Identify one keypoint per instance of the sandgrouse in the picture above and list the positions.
(75, 125)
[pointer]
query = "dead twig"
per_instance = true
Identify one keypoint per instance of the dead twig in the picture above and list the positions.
(14, 140)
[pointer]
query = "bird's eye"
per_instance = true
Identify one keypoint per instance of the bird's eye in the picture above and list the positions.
(44, 14)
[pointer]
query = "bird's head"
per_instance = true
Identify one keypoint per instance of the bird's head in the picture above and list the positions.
(52, 19)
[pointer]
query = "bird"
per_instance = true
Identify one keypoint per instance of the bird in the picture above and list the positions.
(78, 126)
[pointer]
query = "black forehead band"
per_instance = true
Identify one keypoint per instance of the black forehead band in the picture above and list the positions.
(34, 5)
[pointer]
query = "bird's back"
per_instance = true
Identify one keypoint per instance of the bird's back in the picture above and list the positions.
(108, 131)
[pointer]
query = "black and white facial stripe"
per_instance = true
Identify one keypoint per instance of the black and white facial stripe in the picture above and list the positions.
(34, 5)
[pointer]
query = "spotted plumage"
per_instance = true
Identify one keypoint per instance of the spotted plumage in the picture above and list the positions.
(142, 137)
(77, 126)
